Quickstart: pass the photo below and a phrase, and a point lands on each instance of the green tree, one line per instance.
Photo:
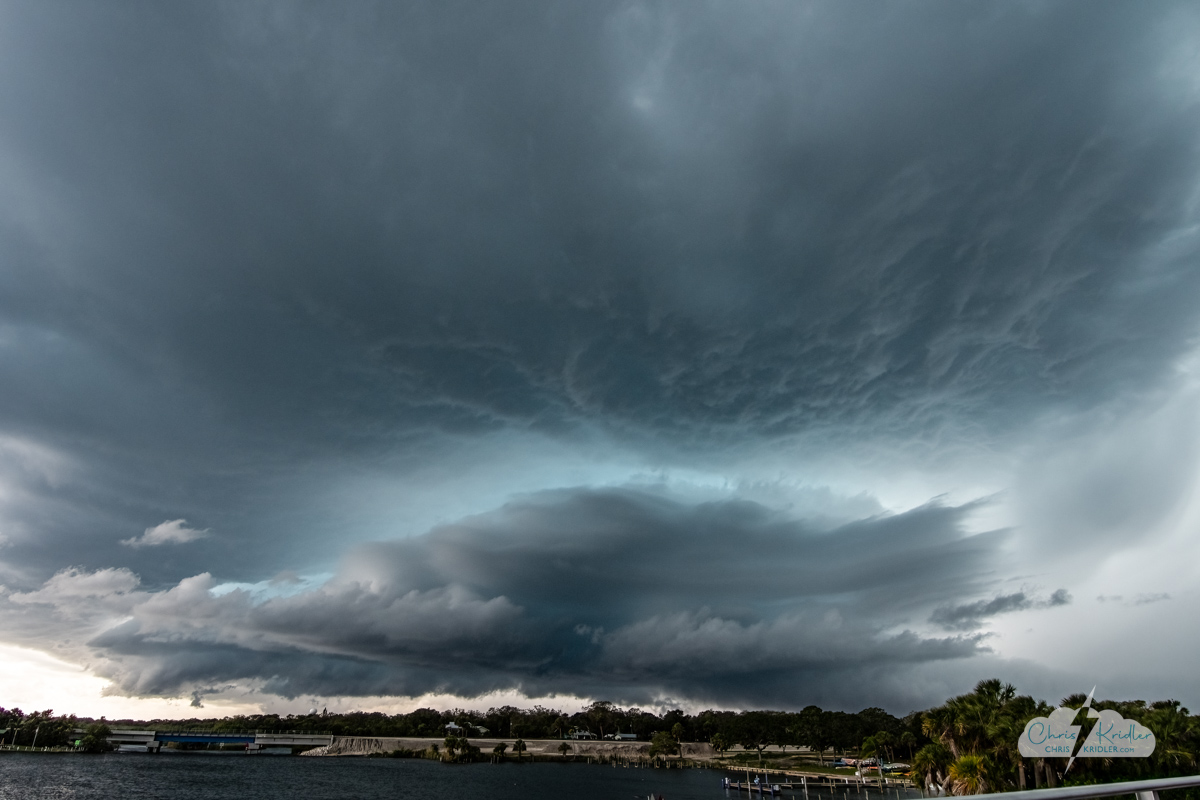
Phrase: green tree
(600, 715)
(519, 748)
(719, 742)
(968, 774)
(43, 729)
(560, 726)
(451, 745)
(498, 751)
(868, 748)
(939, 724)
(468, 751)
(813, 724)
(1176, 734)
(663, 744)
(871, 748)
(759, 730)
(908, 740)
(792, 734)
(931, 763)
(563, 749)
(95, 738)
(884, 741)
(986, 723)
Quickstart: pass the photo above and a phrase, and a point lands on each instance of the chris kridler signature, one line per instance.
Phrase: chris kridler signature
(1112, 735)
(1038, 733)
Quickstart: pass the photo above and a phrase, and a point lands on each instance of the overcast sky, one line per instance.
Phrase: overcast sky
(734, 354)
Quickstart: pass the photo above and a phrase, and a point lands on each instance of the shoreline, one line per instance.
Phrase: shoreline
(588, 748)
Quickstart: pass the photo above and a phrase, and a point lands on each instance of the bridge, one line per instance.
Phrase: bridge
(252, 740)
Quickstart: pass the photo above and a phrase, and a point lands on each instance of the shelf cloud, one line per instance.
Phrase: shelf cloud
(620, 591)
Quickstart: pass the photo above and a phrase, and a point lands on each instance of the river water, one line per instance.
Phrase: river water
(208, 776)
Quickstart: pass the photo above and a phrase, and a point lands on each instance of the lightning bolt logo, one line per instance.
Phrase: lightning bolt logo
(1092, 714)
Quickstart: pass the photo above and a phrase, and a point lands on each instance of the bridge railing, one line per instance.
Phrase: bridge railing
(1144, 790)
(211, 732)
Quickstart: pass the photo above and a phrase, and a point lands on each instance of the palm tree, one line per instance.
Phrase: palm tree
(561, 724)
(519, 748)
(968, 775)
(884, 740)
(931, 762)
(498, 751)
(868, 747)
(1004, 732)
(1175, 733)
(987, 722)
(600, 714)
(564, 748)
(938, 724)
(908, 740)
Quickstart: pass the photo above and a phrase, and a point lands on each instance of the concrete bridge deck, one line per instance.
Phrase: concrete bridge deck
(253, 740)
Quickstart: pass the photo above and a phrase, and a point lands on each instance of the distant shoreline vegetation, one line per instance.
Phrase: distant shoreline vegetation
(968, 745)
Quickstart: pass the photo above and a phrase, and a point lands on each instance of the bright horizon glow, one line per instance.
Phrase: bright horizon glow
(35, 681)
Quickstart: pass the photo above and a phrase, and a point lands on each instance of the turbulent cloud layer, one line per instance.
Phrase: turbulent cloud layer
(321, 278)
(620, 592)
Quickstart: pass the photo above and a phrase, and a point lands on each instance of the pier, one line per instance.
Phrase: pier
(774, 783)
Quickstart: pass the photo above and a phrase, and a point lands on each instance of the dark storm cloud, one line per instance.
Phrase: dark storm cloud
(334, 225)
(626, 593)
(246, 246)
(972, 616)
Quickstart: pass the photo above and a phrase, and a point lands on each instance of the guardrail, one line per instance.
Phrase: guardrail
(1144, 790)
(24, 748)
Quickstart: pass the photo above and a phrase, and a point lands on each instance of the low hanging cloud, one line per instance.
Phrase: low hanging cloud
(74, 584)
(1141, 599)
(627, 593)
(173, 531)
(972, 616)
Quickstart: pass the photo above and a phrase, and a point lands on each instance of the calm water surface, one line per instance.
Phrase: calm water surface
(203, 776)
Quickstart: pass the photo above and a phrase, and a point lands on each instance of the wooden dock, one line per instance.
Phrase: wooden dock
(769, 789)
(775, 782)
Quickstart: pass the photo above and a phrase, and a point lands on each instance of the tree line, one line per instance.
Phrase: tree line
(826, 732)
(44, 729)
